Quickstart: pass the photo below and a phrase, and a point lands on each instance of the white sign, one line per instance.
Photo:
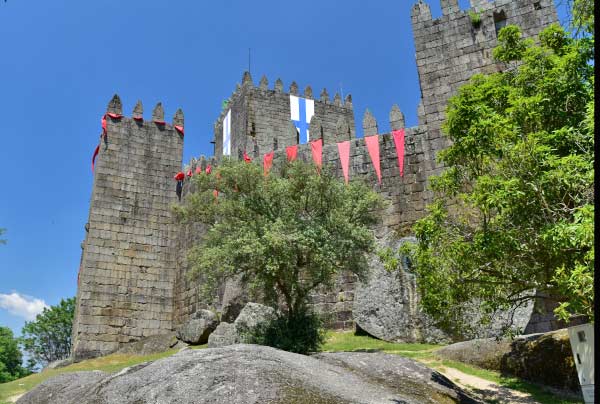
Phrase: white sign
(227, 134)
(582, 344)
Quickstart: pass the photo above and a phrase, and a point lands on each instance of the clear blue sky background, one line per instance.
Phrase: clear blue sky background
(61, 61)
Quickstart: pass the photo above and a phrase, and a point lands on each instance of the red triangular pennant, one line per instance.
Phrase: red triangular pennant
(291, 152)
(399, 142)
(96, 151)
(317, 152)
(344, 150)
(372, 143)
(268, 162)
(179, 129)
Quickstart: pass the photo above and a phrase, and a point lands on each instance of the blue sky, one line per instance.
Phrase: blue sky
(61, 62)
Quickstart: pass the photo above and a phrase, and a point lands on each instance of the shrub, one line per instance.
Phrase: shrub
(301, 333)
(475, 18)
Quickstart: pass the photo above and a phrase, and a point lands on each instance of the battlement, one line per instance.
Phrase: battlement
(115, 107)
(421, 11)
(259, 119)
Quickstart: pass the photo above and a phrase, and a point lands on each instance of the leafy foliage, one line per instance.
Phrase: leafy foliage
(513, 213)
(301, 333)
(10, 357)
(2, 231)
(285, 234)
(48, 337)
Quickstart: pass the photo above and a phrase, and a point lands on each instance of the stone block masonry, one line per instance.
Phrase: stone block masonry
(133, 277)
(128, 265)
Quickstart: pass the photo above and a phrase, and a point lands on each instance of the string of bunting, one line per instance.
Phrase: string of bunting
(371, 142)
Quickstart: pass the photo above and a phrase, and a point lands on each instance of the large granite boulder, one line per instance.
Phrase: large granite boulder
(152, 344)
(251, 316)
(386, 304)
(543, 358)
(256, 374)
(235, 297)
(225, 334)
(197, 329)
(485, 353)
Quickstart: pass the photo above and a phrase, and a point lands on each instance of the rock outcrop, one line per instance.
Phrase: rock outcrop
(153, 344)
(197, 329)
(386, 305)
(256, 374)
(252, 315)
(546, 359)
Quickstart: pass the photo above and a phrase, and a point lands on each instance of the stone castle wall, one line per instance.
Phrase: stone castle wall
(127, 272)
(134, 279)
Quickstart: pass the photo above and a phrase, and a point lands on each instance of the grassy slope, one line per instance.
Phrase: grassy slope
(426, 354)
(336, 342)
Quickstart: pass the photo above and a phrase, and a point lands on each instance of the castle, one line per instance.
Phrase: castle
(133, 279)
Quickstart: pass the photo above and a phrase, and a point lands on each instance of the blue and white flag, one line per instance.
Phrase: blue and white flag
(227, 134)
(301, 111)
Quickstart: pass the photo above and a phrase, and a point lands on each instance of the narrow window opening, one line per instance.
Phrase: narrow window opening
(499, 20)
(275, 143)
(537, 5)
(297, 136)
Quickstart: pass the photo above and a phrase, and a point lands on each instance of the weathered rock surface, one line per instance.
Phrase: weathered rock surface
(251, 316)
(386, 305)
(197, 329)
(225, 334)
(485, 353)
(235, 297)
(541, 358)
(152, 344)
(255, 374)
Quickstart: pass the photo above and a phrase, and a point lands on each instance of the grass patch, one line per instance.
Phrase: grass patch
(425, 353)
(110, 363)
(347, 342)
(538, 393)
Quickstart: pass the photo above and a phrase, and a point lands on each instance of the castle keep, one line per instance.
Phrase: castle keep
(133, 278)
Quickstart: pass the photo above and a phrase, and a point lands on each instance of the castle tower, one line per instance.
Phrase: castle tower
(127, 271)
(454, 47)
(258, 119)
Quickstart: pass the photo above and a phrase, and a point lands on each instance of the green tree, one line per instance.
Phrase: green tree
(10, 357)
(513, 213)
(2, 231)
(48, 337)
(285, 234)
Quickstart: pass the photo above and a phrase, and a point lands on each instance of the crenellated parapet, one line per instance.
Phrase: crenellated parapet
(257, 119)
